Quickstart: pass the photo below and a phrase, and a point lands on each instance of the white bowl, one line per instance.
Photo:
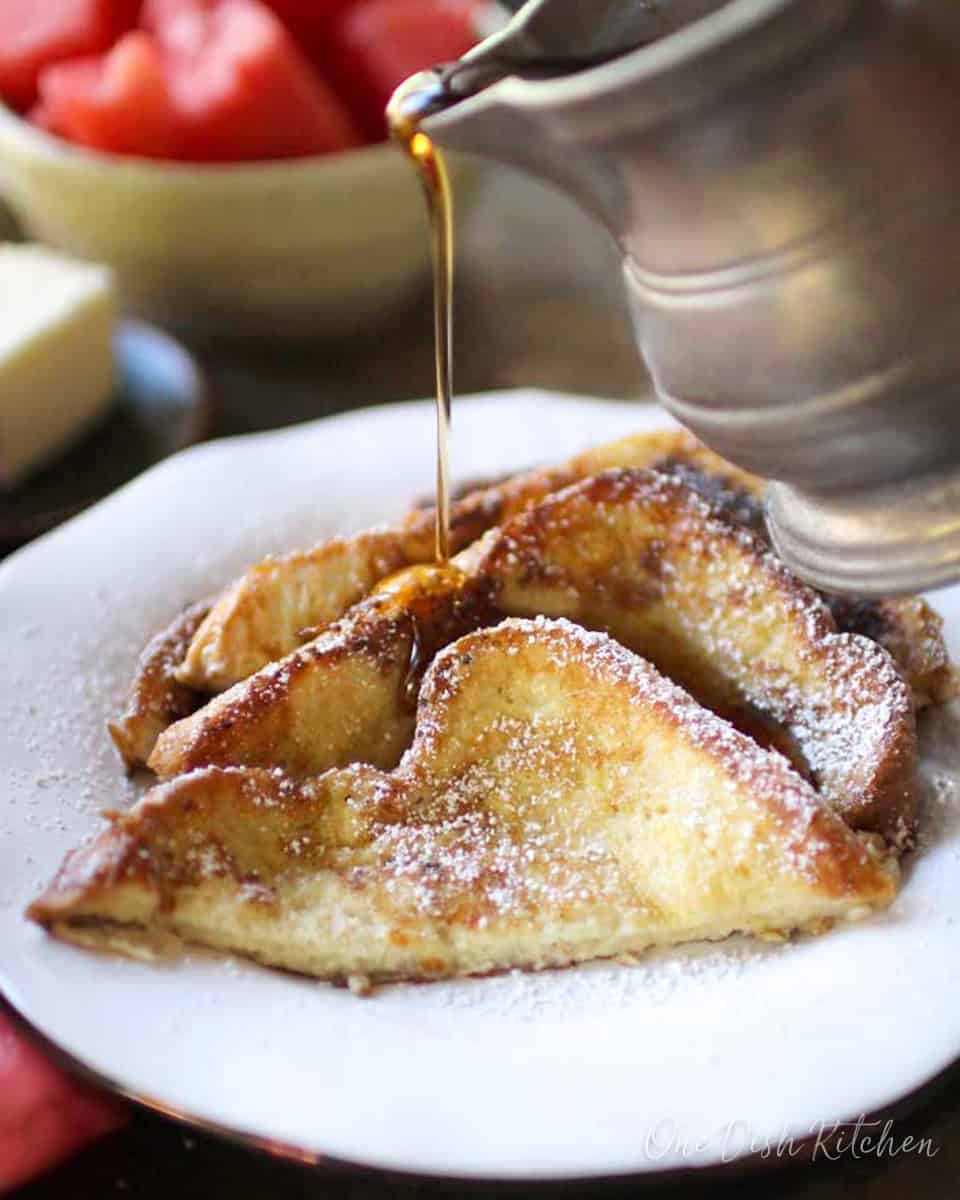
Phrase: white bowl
(316, 247)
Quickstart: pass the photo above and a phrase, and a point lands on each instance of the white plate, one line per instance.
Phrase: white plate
(688, 1059)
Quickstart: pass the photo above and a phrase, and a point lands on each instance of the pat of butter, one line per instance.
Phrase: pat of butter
(56, 355)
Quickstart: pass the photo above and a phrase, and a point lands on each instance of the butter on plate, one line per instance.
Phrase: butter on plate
(56, 354)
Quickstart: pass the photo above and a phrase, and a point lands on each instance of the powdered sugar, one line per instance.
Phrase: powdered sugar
(687, 974)
(527, 822)
(640, 555)
(90, 674)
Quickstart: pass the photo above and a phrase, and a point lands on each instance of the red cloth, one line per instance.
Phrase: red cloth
(44, 1114)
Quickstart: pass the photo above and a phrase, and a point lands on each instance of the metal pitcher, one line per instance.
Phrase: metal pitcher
(783, 178)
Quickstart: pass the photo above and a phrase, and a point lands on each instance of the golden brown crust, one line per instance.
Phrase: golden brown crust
(641, 556)
(560, 801)
(287, 600)
(348, 696)
(157, 698)
(912, 633)
(265, 614)
(483, 507)
(630, 552)
(905, 626)
(273, 608)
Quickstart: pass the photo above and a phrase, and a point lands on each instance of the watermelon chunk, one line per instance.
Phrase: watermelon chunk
(205, 81)
(243, 87)
(36, 33)
(309, 22)
(118, 102)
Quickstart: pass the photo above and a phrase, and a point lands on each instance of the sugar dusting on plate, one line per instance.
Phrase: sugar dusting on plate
(656, 978)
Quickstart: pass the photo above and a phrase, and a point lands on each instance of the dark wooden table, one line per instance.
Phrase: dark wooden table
(539, 304)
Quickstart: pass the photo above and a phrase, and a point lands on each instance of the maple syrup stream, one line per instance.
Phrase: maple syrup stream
(410, 104)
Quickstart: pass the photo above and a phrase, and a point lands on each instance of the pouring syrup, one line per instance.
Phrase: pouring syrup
(411, 104)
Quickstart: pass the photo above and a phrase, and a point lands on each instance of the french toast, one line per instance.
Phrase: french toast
(157, 697)
(347, 696)
(905, 626)
(267, 612)
(630, 552)
(286, 600)
(263, 615)
(276, 605)
(560, 801)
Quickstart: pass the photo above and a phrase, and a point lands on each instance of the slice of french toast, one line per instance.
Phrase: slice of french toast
(640, 556)
(561, 801)
(265, 614)
(347, 696)
(285, 600)
(157, 697)
(905, 626)
(274, 606)
(634, 553)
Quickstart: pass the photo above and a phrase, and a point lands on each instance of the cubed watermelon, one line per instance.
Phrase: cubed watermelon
(36, 33)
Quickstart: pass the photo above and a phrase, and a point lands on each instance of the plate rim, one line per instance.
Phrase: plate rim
(755, 1163)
